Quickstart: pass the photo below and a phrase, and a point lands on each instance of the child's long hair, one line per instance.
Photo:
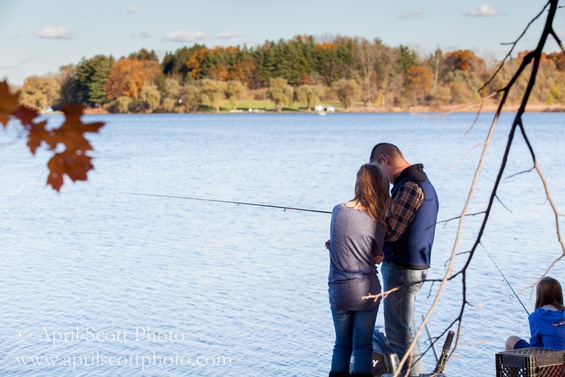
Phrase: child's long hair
(372, 191)
(548, 292)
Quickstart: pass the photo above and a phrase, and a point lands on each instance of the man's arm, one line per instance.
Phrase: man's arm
(405, 204)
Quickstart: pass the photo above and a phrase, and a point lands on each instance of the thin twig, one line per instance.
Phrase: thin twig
(534, 58)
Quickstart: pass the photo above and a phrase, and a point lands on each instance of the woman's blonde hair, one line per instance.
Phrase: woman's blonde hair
(548, 292)
(372, 192)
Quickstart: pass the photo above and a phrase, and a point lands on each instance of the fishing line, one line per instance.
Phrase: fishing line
(285, 208)
(506, 280)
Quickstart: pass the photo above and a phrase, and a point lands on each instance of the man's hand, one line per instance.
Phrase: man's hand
(328, 244)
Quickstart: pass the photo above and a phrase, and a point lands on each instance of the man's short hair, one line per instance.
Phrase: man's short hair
(385, 149)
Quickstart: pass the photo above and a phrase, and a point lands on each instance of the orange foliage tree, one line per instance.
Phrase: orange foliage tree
(67, 142)
(243, 71)
(196, 61)
(128, 76)
(419, 81)
(465, 60)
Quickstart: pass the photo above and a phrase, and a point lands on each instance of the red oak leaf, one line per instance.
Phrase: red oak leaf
(8, 103)
(71, 133)
(38, 134)
(75, 166)
(25, 115)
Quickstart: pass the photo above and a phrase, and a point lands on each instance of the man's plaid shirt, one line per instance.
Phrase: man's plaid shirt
(406, 202)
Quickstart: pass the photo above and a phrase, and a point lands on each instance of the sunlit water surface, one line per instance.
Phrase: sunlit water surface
(98, 282)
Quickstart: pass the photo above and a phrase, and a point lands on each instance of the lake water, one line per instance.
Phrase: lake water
(97, 282)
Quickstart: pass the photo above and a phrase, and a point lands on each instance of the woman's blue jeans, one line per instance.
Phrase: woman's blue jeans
(354, 334)
(399, 310)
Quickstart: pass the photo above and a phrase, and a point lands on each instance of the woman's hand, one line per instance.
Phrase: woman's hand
(379, 258)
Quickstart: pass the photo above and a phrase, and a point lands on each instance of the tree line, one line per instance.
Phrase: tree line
(302, 70)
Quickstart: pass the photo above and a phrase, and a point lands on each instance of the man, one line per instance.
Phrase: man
(410, 235)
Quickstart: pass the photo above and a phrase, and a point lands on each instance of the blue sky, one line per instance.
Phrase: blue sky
(38, 36)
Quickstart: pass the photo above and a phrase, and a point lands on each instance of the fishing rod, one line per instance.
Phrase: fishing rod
(285, 208)
(506, 280)
(432, 343)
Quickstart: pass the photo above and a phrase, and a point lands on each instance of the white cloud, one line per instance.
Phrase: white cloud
(411, 15)
(55, 32)
(227, 35)
(133, 9)
(143, 34)
(484, 10)
(182, 36)
(29, 60)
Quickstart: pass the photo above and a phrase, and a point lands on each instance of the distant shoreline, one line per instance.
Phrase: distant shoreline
(487, 108)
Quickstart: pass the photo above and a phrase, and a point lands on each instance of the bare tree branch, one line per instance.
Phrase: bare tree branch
(458, 217)
(513, 46)
(521, 172)
(533, 58)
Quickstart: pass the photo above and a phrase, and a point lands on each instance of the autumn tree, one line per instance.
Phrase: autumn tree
(40, 92)
(197, 65)
(465, 60)
(280, 93)
(170, 88)
(175, 63)
(221, 59)
(128, 76)
(388, 80)
(419, 81)
(437, 64)
(346, 91)
(212, 92)
(148, 100)
(191, 98)
(234, 91)
(244, 70)
(550, 83)
(559, 59)
(366, 57)
(310, 95)
(464, 66)
(120, 105)
(384, 74)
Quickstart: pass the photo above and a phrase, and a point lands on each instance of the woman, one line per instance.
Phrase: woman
(547, 323)
(356, 239)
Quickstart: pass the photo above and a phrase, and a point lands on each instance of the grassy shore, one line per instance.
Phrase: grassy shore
(268, 106)
(249, 105)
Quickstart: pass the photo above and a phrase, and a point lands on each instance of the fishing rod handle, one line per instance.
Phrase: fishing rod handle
(443, 357)
(448, 340)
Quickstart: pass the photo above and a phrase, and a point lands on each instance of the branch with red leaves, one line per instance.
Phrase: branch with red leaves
(67, 142)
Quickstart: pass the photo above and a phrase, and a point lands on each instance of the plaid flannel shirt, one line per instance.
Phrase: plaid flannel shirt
(406, 202)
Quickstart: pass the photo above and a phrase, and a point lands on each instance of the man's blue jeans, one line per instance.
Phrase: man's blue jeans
(399, 308)
(354, 333)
